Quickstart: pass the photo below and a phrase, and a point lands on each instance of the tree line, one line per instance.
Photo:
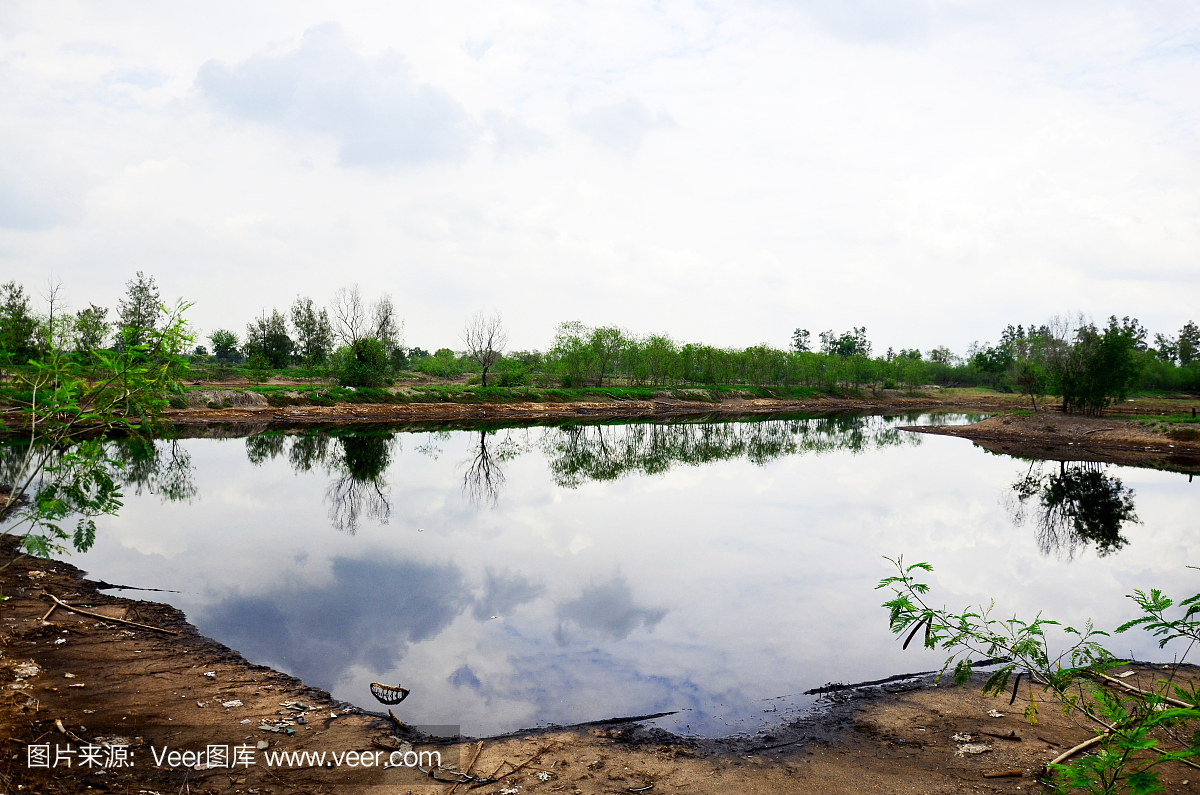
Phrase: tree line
(359, 341)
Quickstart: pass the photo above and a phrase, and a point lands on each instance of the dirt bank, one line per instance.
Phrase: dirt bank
(1052, 435)
(664, 407)
(72, 683)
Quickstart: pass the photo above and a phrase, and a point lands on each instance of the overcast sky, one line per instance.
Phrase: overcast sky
(721, 171)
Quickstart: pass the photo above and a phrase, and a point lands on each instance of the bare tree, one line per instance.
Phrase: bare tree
(352, 321)
(349, 315)
(485, 338)
(483, 477)
(384, 324)
(58, 325)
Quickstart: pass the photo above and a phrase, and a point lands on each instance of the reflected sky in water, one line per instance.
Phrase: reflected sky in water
(557, 575)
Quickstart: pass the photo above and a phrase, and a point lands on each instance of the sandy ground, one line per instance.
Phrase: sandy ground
(73, 682)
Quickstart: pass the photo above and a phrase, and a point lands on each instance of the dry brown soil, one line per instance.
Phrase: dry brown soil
(71, 681)
(663, 407)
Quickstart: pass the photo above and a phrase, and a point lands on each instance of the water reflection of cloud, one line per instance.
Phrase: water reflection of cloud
(504, 592)
(465, 677)
(606, 609)
(366, 615)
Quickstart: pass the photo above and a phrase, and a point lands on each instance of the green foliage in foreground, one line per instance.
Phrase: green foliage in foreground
(1135, 724)
(64, 407)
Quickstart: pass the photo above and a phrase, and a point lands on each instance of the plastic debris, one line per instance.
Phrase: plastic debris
(234, 703)
(995, 714)
(544, 776)
(262, 745)
(211, 674)
(388, 694)
(961, 738)
(60, 641)
(244, 721)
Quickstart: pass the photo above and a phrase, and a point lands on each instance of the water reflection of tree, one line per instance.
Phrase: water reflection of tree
(1075, 505)
(484, 475)
(161, 467)
(357, 462)
(361, 489)
(578, 454)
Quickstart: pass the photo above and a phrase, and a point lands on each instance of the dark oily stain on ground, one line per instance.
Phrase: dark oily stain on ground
(1053, 436)
(75, 681)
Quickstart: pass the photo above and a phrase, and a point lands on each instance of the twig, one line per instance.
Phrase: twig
(89, 614)
(1143, 693)
(1083, 746)
(527, 761)
(48, 612)
(478, 751)
(1005, 774)
(397, 721)
(58, 724)
(492, 778)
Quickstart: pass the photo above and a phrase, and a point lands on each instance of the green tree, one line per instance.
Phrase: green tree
(848, 343)
(314, 336)
(138, 312)
(258, 368)
(225, 345)
(661, 355)
(267, 336)
(571, 354)
(800, 341)
(1030, 377)
(18, 326)
(1110, 366)
(91, 330)
(1188, 346)
(606, 344)
(362, 364)
(994, 363)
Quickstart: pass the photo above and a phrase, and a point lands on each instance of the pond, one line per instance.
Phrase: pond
(526, 576)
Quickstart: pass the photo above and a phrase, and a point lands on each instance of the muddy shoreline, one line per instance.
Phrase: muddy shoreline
(1047, 434)
(1053, 436)
(598, 411)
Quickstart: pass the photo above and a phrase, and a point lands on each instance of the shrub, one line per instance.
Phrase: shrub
(363, 364)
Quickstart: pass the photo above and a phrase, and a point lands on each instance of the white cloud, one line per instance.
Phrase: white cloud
(622, 126)
(39, 196)
(513, 136)
(371, 105)
(721, 171)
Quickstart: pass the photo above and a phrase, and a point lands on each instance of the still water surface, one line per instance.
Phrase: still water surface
(556, 575)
